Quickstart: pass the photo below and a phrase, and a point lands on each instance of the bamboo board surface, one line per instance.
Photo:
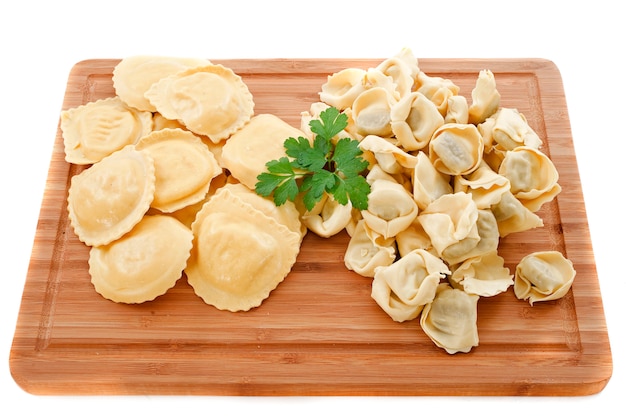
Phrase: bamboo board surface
(319, 332)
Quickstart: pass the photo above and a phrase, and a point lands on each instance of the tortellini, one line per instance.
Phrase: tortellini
(414, 119)
(391, 208)
(456, 149)
(532, 175)
(484, 275)
(485, 98)
(327, 217)
(450, 320)
(403, 288)
(371, 111)
(543, 276)
(366, 252)
(475, 174)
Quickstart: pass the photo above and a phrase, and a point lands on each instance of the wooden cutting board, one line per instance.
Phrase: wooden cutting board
(319, 333)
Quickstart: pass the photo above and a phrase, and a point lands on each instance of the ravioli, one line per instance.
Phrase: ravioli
(143, 264)
(99, 128)
(261, 140)
(109, 198)
(134, 75)
(240, 255)
(209, 100)
(184, 168)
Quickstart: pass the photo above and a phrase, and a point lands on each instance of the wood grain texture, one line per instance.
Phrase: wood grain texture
(319, 333)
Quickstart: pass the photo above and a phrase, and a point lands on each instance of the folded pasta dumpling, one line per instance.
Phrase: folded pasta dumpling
(209, 100)
(483, 275)
(414, 119)
(428, 183)
(450, 321)
(456, 149)
(512, 216)
(402, 69)
(436, 89)
(391, 158)
(391, 208)
(240, 254)
(485, 98)
(365, 252)
(99, 128)
(532, 175)
(472, 246)
(328, 217)
(144, 263)
(543, 276)
(414, 237)
(403, 288)
(342, 88)
(259, 141)
(450, 219)
(484, 185)
(371, 112)
(458, 110)
(511, 129)
(134, 75)
(109, 198)
(184, 168)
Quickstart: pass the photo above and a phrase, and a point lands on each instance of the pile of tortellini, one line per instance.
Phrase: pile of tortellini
(448, 179)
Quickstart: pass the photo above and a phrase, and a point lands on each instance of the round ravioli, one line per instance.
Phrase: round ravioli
(240, 254)
(134, 75)
(99, 128)
(109, 198)
(184, 168)
(143, 264)
(210, 100)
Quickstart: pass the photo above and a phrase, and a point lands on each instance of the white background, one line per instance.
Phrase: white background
(41, 41)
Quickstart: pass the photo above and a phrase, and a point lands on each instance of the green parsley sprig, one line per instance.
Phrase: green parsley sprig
(312, 169)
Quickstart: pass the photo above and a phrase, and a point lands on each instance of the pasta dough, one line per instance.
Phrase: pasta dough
(144, 264)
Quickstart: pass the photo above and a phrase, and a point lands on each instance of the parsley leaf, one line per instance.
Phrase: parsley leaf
(312, 169)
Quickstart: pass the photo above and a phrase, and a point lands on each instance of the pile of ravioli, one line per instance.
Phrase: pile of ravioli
(165, 187)
(172, 160)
